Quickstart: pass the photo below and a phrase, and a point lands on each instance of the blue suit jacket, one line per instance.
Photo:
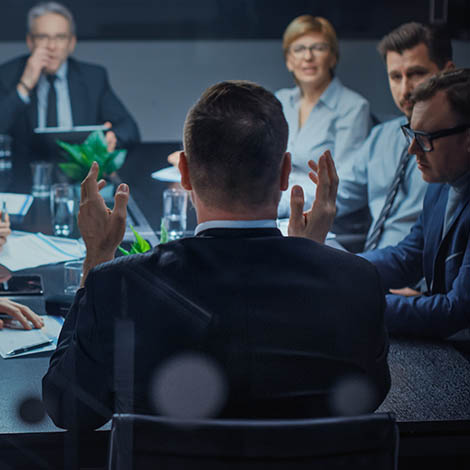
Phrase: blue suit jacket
(91, 97)
(443, 261)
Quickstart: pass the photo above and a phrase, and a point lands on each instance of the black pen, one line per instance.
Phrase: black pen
(31, 347)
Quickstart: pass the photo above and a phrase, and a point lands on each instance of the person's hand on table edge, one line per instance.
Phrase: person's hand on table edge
(4, 229)
(19, 312)
(405, 292)
(110, 137)
(174, 158)
(316, 222)
(102, 229)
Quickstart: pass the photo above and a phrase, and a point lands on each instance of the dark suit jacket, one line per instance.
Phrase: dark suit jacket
(284, 318)
(92, 102)
(444, 262)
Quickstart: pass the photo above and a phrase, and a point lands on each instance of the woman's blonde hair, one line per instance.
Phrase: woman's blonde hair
(310, 24)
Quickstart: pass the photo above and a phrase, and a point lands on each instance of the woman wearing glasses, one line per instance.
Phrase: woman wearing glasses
(321, 112)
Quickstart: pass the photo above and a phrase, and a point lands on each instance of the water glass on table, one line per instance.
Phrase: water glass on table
(42, 177)
(175, 204)
(72, 276)
(62, 209)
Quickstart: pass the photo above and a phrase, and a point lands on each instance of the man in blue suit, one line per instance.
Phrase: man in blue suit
(49, 89)
(438, 245)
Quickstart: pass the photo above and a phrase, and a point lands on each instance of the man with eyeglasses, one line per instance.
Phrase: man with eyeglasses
(50, 89)
(438, 245)
(380, 175)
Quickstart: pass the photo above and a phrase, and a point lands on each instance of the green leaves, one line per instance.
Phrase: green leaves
(140, 245)
(94, 148)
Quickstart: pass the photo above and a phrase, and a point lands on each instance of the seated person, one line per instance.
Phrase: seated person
(282, 318)
(16, 311)
(438, 246)
(374, 178)
(49, 88)
(321, 112)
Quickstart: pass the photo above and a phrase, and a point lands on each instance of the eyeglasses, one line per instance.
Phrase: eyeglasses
(45, 38)
(300, 50)
(424, 139)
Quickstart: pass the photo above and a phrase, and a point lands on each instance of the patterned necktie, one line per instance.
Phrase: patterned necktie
(51, 117)
(373, 239)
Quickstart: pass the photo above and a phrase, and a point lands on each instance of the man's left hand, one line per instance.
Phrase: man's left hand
(110, 137)
(405, 292)
(316, 222)
(102, 229)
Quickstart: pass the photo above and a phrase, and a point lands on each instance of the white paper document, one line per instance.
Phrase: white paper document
(12, 339)
(16, 204)
(170, 174)
(28, 250)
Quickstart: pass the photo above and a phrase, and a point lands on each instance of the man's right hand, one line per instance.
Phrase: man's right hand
(102, 229)
(19, 312)
(316, 222)
(36, 62)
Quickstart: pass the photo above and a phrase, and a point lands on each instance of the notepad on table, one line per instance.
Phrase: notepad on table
(14, 339)
(28, 250)
(170, 174)
(16, 204)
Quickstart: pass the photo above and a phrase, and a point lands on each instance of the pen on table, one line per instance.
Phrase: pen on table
(30, 347)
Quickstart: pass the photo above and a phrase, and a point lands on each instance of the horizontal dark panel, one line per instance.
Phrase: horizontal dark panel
(237, 19)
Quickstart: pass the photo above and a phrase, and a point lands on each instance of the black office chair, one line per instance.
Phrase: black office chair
(360, 442)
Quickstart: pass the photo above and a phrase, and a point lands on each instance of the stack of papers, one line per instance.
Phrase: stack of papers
(16, 204)
(28, 250)
(15, 339)
(170, 175)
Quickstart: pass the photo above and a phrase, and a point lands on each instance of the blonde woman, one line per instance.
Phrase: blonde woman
(321, 112)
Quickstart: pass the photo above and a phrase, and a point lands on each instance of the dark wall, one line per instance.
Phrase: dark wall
(236, 19)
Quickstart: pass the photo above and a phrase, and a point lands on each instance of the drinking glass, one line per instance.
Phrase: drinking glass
(62, 209)
(72, 276)
(42, 176)
(175, 203)
(5, 152)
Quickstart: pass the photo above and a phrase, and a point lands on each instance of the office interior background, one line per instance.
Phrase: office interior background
(161, 54)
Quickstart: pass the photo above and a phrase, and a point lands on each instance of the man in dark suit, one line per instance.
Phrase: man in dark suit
(438, 245)
(48, 88)
(286, 327)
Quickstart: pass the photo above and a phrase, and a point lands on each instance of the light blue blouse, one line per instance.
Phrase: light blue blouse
(368, 174)
(339, 122)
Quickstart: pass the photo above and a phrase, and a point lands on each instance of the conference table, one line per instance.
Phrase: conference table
(430, 393)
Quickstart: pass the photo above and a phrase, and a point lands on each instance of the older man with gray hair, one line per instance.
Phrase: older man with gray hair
(48, 88)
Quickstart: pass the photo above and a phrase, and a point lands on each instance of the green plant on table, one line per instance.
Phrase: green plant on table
(95, 148)
(140, 245)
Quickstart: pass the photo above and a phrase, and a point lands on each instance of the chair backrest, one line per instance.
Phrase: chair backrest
(359, 442)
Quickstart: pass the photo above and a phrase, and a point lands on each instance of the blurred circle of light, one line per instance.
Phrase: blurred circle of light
(31, 410)
(189, 386)
(353, 395)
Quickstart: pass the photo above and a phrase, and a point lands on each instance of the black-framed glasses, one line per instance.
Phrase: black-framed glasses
(424, 139)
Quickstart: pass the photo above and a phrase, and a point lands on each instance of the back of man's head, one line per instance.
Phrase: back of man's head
(234, 138)
(456, 85)
(409, 35)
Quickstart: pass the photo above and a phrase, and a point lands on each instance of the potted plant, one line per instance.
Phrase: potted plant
(95, 148)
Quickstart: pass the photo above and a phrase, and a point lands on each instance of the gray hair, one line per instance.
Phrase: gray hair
(49, 7)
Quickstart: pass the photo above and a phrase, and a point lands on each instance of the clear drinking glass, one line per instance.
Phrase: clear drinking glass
(175, 204)
(42, 177)
(62, 209)
(72, 276)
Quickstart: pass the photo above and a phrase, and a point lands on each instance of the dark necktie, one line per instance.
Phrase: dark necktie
(374, 238)
(51, 117)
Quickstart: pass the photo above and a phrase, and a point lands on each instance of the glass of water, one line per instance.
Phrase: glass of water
(62, 209)
(175, 204)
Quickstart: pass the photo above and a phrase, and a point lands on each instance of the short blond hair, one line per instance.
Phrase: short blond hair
(306, 24)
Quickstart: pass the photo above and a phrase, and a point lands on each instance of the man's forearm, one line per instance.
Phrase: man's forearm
(91, 261)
